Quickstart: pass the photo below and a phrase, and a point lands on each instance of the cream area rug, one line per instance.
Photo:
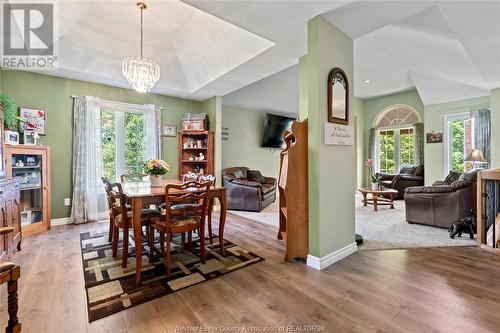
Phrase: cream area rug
(387, 229)
(268, 215)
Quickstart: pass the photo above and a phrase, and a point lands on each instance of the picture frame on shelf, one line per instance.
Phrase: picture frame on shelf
(11, 137)
(35, 120)
(30, 138)
(169, 130)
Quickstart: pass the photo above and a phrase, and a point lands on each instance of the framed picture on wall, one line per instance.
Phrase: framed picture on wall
(434, 137)
(169, 130)
(35, 120)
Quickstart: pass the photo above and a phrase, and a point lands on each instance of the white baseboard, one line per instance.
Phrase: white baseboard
(331, 258)
(61, 221)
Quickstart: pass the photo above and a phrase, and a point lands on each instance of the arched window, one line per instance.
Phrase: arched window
(395, 144)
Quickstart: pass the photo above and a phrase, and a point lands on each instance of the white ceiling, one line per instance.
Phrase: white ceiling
(447, 50)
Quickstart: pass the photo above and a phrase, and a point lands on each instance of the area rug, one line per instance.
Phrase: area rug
(111, 288)
(387, 229)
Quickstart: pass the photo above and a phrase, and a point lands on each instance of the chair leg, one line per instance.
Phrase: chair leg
(125, 248)
(210, 208)
(111, 228)
(167, 256)
(13, 326)
(114, 243)
(190, 241)
(203, 252)
(183, 241)
(162, 242)
(151, 239)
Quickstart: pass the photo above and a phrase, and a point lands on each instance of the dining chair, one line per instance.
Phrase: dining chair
(189, 177)
(182, 219)
(211, 179)
(107, 184)
(10, 274)
(133, 177)
(123, 218)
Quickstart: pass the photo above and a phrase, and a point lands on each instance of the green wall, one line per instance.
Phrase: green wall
(358, 106)
(213, 108)
(331, 199)
(53, 94)
(243, 145)
(434, 121)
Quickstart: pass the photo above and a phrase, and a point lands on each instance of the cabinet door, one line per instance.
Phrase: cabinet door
(8, 238)
(16, 220)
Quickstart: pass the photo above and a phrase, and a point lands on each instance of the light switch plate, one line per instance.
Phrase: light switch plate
(67, 201)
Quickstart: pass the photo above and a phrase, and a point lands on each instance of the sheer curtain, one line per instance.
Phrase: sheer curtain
(152, 121)
(89, 201)
(482, 132)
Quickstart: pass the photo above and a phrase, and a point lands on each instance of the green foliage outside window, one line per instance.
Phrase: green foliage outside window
(457, 145)
(387, 149)
(108, 144)
(386, 157)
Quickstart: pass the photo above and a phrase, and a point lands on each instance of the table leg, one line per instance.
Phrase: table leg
(392, 201)
(136, 222)
(365, 201)
(375, 199)
(222, 221)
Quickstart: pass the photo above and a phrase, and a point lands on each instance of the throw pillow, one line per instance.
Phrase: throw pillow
(255, 176)
(453, 176)
(407, 170)
(471, 176)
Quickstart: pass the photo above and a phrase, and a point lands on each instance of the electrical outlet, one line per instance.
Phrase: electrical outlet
(67, 201)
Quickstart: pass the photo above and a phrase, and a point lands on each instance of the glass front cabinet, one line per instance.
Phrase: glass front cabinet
(31, 166)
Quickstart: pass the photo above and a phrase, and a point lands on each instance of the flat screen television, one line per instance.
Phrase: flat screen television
(274, 126)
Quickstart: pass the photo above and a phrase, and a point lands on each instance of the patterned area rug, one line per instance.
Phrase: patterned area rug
(111, 288)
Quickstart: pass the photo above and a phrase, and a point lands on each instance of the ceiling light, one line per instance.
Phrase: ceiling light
(366, 81)
(142, 74)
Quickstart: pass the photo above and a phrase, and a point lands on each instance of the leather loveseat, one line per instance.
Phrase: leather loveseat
(408, 176)
(442, 203)
(252, 193)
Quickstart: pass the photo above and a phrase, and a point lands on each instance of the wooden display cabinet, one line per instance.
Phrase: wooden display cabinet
(191, 145)
(30, 165)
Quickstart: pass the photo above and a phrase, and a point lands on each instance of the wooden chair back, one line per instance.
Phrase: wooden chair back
(189, 177)
(189, 198)
(133, 177)
(207, 178)
(118, 201)
(107, 188)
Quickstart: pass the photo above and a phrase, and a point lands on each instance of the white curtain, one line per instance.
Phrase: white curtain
(89, 201)
(152, 121)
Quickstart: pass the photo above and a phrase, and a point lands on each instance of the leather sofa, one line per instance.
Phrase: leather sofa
(408, 176)
(245, 194)
(442, 203)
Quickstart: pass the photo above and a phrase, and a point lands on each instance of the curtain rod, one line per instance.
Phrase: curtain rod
(160, 107)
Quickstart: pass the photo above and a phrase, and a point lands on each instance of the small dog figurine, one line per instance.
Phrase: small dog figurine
(465, 224)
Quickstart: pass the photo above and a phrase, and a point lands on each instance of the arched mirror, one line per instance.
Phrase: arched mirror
(338, 97)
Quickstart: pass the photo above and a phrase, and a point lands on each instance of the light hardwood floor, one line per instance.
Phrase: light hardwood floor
(418, 290)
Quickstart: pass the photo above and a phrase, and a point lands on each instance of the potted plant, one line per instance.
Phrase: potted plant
(10, 118)
(374, 178)
(156, 168)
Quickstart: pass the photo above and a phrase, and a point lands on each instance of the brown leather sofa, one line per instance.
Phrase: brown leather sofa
(442, 203)
(408, 176)
(246, 194)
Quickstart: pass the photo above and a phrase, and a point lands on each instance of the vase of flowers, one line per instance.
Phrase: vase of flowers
(374, 178)
(156, 168)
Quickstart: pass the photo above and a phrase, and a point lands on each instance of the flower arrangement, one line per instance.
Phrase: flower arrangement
(156, 167)
(373, 176)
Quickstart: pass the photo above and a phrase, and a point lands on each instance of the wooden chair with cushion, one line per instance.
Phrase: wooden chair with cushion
(107, 184)
(211, 179)
(123, 219)
(185, 217)
(10, 273)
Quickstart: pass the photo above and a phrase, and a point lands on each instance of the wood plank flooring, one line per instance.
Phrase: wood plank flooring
(417, 290)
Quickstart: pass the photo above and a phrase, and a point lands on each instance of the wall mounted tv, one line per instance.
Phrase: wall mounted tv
(274, 126)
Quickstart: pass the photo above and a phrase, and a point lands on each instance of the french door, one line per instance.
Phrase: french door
(396, 147)
(459, 139)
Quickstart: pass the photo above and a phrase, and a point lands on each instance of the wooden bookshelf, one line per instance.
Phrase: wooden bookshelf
(191, 144)
(488, 210)
(293, 192)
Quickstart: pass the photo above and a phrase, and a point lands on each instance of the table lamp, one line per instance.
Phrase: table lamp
(475, 156)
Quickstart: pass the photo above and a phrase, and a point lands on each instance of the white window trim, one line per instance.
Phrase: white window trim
(448, 118)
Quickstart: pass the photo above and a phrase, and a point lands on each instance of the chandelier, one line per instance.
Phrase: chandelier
(142, 74)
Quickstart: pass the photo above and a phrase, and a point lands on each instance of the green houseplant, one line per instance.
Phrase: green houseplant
(10, 118)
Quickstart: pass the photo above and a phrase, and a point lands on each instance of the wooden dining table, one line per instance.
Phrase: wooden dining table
(142, 194)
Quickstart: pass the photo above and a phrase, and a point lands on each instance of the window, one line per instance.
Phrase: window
(122, 142)
(395, 144)
(459, 139)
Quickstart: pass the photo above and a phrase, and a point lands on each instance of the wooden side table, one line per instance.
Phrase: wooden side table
(379, 197)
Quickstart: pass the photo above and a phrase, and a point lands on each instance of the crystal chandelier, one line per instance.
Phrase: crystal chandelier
(142, 74)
